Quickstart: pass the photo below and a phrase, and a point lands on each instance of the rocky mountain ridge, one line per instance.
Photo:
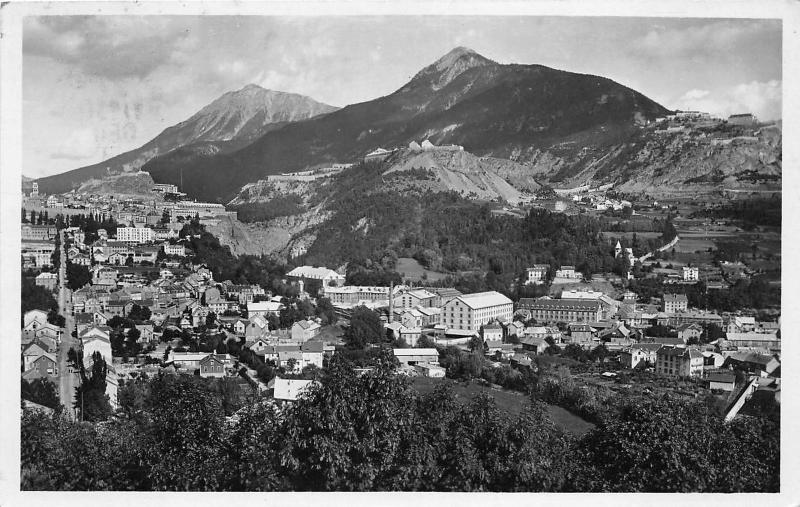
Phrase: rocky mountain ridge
(228, 123)
(463, 98)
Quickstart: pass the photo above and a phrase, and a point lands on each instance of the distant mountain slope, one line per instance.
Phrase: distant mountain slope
(124, 184)
(230, 122)
(463, 98)
(464, 173)
(660, 163)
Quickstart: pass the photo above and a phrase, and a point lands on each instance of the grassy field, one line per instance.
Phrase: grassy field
(511, 402)
(412, 270)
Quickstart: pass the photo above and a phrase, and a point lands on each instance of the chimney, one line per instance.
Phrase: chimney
(391, 301)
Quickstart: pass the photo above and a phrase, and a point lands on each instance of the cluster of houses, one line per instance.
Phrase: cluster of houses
(40, 341)
(538, 274)
(136, 212)
(183, 298)
(145, 226)
(38, 246)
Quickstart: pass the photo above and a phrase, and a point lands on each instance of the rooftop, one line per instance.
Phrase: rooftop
(479, 300)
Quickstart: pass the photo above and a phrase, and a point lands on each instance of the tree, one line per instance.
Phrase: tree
(325, 311)
(576, 352)
(265, 372)
(599, 353)
(186, 408)
(40, 391)
(90, 396)
(77, 276)
(139, 313)
(365, 328)
(35, 297)
(56, 318)
(133, 398)
(670, 445)
(660, 331)
(424, 342)
(711, 332)
(132, 345)
(477, 344)
(211, 319)
(552, 348)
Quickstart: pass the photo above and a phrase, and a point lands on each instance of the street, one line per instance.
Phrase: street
(67, 380)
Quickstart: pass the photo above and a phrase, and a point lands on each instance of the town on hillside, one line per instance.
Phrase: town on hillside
(499, 277)
(116, 281)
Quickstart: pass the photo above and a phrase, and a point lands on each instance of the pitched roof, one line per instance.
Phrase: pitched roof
(751, 357)
(291, 389)
(209, 358)
(84, 318)
(48, 356)
(560, 304)
(751, 337)
(312, 346)
(647, 347)
(263, 306)
(479, 300)
(307, 324)
(415, 352)
(721, 377)
(444, 292)
(671, 351)
(315, 273)
(664, 340)
(92, 331)
(188, 356)
(421, 294)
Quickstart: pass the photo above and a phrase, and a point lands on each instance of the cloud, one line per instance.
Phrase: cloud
(695, 94)
(763, 98)
(106, 46)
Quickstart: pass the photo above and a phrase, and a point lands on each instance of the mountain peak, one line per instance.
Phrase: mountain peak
(448, 67)
(251, 86)
(461, 56)
(454, 54)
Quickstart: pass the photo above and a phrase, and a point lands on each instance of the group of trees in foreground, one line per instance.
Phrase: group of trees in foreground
(374, 432)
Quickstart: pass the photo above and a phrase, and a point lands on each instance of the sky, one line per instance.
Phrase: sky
(97, 86)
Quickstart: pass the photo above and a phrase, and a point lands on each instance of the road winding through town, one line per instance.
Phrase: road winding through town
(67, 379)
